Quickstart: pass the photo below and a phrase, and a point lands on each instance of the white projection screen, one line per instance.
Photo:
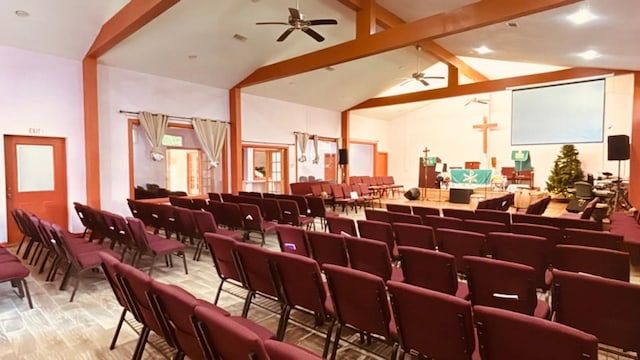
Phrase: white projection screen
(558, 114)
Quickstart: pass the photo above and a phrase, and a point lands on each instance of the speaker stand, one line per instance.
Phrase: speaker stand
(621, 200)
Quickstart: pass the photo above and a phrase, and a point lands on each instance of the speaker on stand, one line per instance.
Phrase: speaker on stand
(618, 149)
(343, 160)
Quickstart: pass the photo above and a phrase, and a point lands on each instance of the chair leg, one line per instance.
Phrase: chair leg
(327, 341)
(247, 303)
(184, 261)
(24, 237)
(65, 278)
(142, 341)
(336, 341)
(117, 333)
(44, 262)
(153, 261)
(178, 356)
(76, 286)
(282, 324)
(215, 301)
(26, 292)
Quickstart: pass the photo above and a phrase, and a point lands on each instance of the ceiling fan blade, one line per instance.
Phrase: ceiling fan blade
(433, 77)
(272, 23)
(323, 22)
(295, 13)
(424, 82)
(405, 82)
(285, 34)
(313, 34)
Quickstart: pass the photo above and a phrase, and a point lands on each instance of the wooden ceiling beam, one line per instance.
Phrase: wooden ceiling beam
(469, 17)
(131, 18)
(366, 20)
(486, 86)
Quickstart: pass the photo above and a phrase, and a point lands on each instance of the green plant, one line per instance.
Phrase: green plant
(567, 169)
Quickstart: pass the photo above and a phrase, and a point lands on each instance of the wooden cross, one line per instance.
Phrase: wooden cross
(485, 127)
(426, 152)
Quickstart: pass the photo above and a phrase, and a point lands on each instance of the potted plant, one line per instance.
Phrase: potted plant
(567, 169)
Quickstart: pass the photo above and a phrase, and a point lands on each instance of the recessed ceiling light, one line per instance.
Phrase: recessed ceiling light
(589, 54)
(330, 68)
(192, 57)
(482, 50)
(512, 24)
(582, 16)
(21, 13)
(240, 37)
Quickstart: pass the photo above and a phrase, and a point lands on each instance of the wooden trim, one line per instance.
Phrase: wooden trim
(130, 124)
(466, 18)
(366, 20)
(634, 161)
(235, 138)
(345, 131)
(263, 146)
(131, 18)
(451, 60)
(91, 131)
(487, 86)
(177, 125)
(452, 77)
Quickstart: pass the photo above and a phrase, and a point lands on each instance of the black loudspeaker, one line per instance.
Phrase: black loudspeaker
(343, 157)
(618, 147)
(412, 194)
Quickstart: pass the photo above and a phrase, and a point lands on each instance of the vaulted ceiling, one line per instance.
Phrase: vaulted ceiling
(197, 41)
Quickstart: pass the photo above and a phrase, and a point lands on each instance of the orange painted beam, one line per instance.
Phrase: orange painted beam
(91, 131)
(345, 133)
(469, 17)
(486, 86)
(131, 18)
(452, 77)
(634, 160)
(235, 138)
(366, 20)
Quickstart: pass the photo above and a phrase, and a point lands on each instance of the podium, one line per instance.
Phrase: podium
(428, 174)
(523, 171)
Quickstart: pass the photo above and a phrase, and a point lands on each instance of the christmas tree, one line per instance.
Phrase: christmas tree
(567, 169)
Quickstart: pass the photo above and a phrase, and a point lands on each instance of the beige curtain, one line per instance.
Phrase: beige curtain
(211, 134)
(301, 139)
(154, 126)
(316, 158)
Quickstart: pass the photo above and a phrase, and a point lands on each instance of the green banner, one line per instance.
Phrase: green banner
(471, 177)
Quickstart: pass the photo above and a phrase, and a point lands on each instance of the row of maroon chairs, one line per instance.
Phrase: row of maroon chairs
(192, 326)
(12, 270)
(381, 184)
(360, 302)
(502, 203)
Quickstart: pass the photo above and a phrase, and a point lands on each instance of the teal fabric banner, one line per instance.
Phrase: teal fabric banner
(471, 177)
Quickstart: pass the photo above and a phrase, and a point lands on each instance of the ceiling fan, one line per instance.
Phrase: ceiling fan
(297, 21)
(477, 101)
(419, 75)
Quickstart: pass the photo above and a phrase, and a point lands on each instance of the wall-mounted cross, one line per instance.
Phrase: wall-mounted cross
(485, 128)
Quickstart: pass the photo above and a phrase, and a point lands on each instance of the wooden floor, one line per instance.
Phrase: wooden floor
(57, 329)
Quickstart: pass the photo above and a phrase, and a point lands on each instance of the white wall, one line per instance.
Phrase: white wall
(446, 128)
(126, 90)
(368, 129)
(43, 92)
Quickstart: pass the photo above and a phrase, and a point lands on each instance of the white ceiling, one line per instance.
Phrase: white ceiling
(205, 29)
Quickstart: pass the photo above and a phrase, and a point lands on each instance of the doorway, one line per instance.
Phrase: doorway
(265, 169)
(36, 180)
(183, 170)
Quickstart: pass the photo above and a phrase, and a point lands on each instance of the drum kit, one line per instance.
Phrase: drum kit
(613, 191)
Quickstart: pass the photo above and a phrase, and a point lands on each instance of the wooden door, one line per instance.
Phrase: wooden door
(330, 169)
(381, 164)
(36, 179)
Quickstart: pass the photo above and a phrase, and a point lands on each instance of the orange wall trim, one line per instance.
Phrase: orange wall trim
(91, 130)
(634, 162)
(235, 138)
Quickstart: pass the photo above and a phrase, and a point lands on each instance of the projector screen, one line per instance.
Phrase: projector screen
(558, 114)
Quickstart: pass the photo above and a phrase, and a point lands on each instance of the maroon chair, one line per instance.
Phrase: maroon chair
(200, 204)
(405, 218)
(424, 210)
(206, 223)
(232, 217)
(272, 211)
(224, 261)
(484, 227)
(291, 214)
(606, 263)
(538, 207)
(534, 251)
(185, 225)
(155, 245)
(342, 225)
(458, 213)
(441, 329)
(371, 256)
(327, 248)
(592, 238)
(377, 215)
(446, 222)
(165, 219)
(460, 244)
(368, 195)
(381, 231)
(432, 270)
(552, 233)
(361, 303)
(506, 335)
(253, 263)
(214, 196)
(420, 236)
(399, 208)
(342, 199)
(318, 209)
(504, 285)
(493, 215)
(605, 308)
(301, 288)
(293, 239)
(253, 221)
(12, 270)
(109, 268)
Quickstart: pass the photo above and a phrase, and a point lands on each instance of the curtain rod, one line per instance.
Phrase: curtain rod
(169, 116)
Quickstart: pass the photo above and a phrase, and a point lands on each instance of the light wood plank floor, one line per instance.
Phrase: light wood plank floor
(57, 329)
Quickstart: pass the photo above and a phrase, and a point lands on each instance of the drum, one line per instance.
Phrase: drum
(522, 198)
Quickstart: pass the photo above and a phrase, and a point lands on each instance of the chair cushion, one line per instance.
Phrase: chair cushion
(92, 259)
(164, 246)
(259, 330)
(13, 270)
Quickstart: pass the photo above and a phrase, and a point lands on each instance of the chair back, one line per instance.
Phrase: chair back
(290, 212)
(552, 233)
(222, 253)
(370, 256)
(342, 225)
(406, 209)
(328, 248)
(536, 338)
(429, 269)
(253, 263)
(377, 215)
(316, 206)
(272, 211)
(605, 308)
(405, 218)
(420, 236)
(458, 213)
(251, 217)
(461, 243)
(534, 251)
(592, 238)
(292, 239)
(377, 230)
(232, 215)
(606, 263)
(501, 284)
(446, 222)
(493, 215)
(484, 227)
(213, 196)
(423, 210)
(441, 317)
